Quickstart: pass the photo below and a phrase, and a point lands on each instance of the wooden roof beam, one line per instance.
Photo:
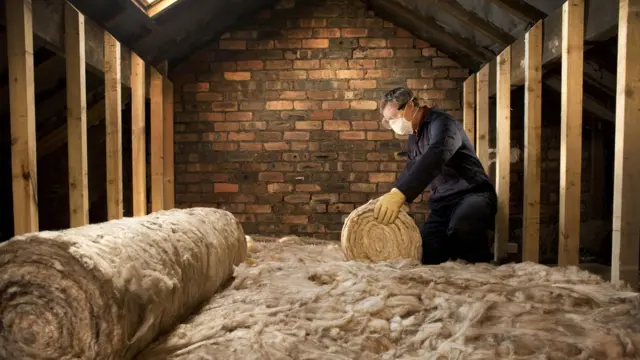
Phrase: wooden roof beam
(600, 23)
(462, 50)
(473, 20)
(48, 27)
(520, 9)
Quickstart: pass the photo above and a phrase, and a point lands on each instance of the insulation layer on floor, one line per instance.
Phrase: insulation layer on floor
(300, 299)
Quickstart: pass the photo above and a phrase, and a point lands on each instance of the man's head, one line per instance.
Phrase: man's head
(398, 103)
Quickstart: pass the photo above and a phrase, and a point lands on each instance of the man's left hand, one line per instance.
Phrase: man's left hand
(388, 207)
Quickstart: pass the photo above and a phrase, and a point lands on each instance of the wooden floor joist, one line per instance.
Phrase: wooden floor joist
(23, 117)
(503, 152)
(532, 144)
(626, 210)
(157, 140)
(482, 116)
(469, 108)
(169, 187)
(138, 136)
(76, 117)
(113, 125)
(571, 132)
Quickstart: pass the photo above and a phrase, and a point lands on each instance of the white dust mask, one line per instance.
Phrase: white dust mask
(401, 126)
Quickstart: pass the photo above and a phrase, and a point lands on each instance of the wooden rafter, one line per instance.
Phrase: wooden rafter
(521, 9)
(473, 20)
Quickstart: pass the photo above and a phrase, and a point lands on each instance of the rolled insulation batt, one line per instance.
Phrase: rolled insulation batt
(105, 291)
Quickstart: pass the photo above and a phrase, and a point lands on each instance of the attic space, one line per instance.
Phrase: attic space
(270, 110)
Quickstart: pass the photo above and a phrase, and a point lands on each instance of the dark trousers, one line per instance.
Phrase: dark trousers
(460, 229)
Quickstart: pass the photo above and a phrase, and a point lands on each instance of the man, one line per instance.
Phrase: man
(462, 200)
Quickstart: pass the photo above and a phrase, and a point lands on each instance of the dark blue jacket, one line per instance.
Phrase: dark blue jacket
(442, 158)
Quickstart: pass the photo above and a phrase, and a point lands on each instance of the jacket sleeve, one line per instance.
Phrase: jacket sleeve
(443, 141)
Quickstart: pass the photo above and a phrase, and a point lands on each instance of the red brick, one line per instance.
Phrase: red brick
(322, 95)
(315, 43)
(216, 116)
(186, 137)
(225, 187)
(364, 105)
(278, 64)
(293, 75)
(308, 125)
(321, 74)
(260, 45)
(403, 33)
(307, 105)
(326, 33)
(258, 209)
(271, 176)
(250, 146)
(407, 53)
(373, 43)
(364, 166)
(337, 125)
(377, 74)
(380, 53)
(279, 105)
(353, 32)
(364, 125)
(459, 73)
(401, 43)
(295, 219)
(432, 94)
(250, 65)
(308, 187)
(293, 95)
(306, 64)
(446, 84)
(352, 135)
(322, 115)
(276, 146)
(382, 177)
(225, 146)
(362, 187)
(349, 74)
(299, 33)
(208, 96)
(420, 83)
(279, 188)
(421, 44)
(363, 84)
(242, 136)
(197, 87)
(313, 22)
(443, 62)
(296, 135)
(287, 44)
(335, 105)
(379, 135)
(362, 64)
(435, 73)
(224, 106)
(232, 44)
(333, 63)
(239, 116)
(297, 198)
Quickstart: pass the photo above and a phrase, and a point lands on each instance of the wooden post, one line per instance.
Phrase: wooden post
(76, 116)
(113, 125)
(468, 111)
(626, 211)
(532, 143)
(22, 106)
(571, 131)
(138, 136)
(503, 151)
(169, 189)
(482, 116)
(156, 90)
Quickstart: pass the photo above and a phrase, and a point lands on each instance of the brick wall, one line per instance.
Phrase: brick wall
(277, 121)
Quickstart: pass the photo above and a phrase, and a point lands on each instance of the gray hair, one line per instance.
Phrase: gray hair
(399, 96)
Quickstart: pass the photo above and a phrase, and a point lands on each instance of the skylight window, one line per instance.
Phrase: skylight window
(154, 7)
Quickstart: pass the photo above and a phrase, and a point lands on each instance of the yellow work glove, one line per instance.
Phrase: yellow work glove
(388, 206)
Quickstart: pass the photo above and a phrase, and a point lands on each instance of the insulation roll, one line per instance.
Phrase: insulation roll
(363, 238)
(105, 291)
